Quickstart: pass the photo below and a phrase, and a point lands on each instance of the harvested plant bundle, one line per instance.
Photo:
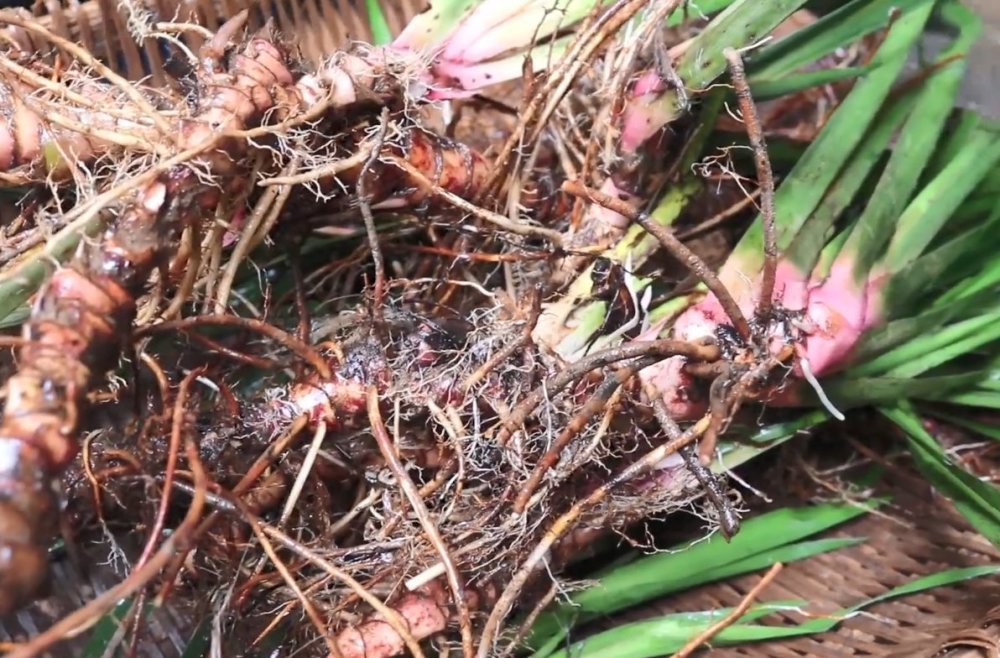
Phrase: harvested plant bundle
(490, 375)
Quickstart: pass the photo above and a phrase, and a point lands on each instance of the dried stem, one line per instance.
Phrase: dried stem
(84, 56)
(176, 429)
(271, 202)
(508, 351)
(90, 613)
(565, 523)
(765, 181)
(366, 214)
(306, 352)
(676, 248)
(591, 408)
(733, 615)
(498, 220)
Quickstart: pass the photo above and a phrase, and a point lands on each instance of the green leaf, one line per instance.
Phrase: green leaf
(936, 202)
(914, 147)
(743, 23)
(895, 333)
(431, 26)
(198, 645)
(810, 241)
(107, 628)
(381, 34)
(988, 430)
(934, 348)
(834, 30)
(655, 637)
(956, 139)
(976, 500)
(950, 264)
(735, 453)
(801, 192)
(984, 281)
(940, 579)
(847, 392)
(663, 635)
(974, 398)
(694, 564)
(764, 90)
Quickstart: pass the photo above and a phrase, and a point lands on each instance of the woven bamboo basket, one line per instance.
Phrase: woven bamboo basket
(918, 534)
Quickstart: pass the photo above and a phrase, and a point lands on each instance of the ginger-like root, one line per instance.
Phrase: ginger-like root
(423, 612)
(82, 318)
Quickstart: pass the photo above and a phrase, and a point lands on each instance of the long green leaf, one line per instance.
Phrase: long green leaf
(801, 192)
(988, 430)
(953, 263)
(922, 353)
(654, 637)
(835, 30)
(914, 147)
(664, 635)
(735, 453)
(744, 22)
(381, 34)
(978, 501)
(805, 249)
(897, 332)
(690, 564)
(847, 392)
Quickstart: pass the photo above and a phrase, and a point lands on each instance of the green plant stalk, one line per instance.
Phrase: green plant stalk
(913, 150)
(802, 191)
(20, 280)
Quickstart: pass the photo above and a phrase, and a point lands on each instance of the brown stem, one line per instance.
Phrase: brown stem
(670, 242)
(366, 213)
(765, 181)
(732, 617)
(177, 427)
(303, 350)
(592, 407)
(565, 523)
(93, 611)
(658, 348)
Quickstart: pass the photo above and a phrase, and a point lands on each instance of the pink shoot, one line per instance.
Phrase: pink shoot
(826, 318)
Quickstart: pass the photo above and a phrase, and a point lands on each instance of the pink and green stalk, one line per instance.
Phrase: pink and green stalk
(838, 291)
(473, 44)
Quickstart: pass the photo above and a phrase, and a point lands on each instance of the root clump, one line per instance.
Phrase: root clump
(311, 349)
